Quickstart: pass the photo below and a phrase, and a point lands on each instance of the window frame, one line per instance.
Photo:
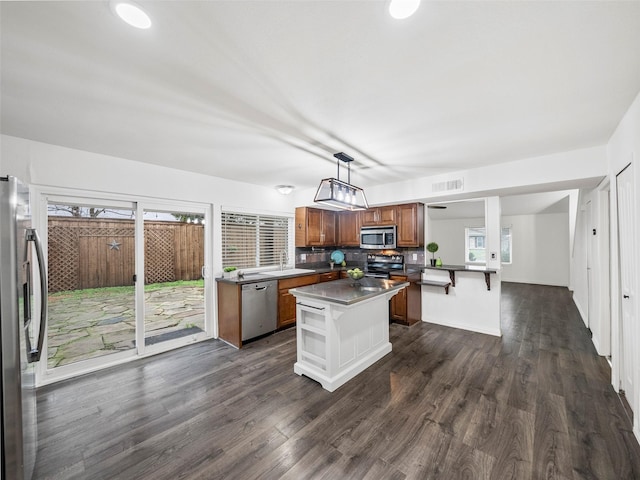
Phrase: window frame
(467, 249)
(261, 259)
(502, 237)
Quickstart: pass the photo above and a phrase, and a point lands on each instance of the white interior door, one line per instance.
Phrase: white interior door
(590, 249)
(627, 246)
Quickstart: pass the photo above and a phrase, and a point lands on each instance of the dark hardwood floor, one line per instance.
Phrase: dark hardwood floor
(446, 404)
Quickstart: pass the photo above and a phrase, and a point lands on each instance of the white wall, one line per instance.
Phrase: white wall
(45, 166)
(51, 165)
(540, 249)
(557, 171)
(470, 305)
(540, 246)
(449, 235)
(624, 148)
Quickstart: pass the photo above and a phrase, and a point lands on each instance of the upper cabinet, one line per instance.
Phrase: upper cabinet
(315, 227)
(379, 216)
(349, 229)
(410, 221)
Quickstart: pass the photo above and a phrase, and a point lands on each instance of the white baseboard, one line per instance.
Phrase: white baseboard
(465, 326)
(585, 319)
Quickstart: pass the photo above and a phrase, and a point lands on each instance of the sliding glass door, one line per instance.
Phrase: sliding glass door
(126, 279)
(174, 265)
(91, 260)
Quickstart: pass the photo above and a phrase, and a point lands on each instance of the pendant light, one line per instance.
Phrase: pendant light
(336, 193)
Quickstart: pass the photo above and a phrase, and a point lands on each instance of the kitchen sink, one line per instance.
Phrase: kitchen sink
(284, 273)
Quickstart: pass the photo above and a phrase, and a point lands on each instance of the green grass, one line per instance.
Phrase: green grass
(89, 292)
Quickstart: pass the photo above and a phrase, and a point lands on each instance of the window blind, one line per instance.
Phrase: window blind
(250, 240)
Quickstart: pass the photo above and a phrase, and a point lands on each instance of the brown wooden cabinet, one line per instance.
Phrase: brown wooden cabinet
(406, 306)
(410, 218)
(287, 302)
(349, 229)
(230, 305)
(329, 276)
(315, 227)
(229, 313)
(379, 215)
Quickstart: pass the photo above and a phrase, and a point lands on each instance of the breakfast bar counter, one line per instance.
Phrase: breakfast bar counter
(342, 328)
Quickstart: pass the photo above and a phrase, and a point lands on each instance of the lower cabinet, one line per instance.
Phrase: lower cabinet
(229, 313)
(329, 276)
(406, 306)
(287, 302)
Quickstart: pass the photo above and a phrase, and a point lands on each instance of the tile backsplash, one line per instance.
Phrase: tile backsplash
(318, 256)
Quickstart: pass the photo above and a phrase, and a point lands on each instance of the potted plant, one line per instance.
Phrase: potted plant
(230, 272)
(433, 248)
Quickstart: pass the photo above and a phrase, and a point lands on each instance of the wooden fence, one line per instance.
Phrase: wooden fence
(96, 252)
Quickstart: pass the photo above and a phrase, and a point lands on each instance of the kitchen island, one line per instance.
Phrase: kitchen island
(342, 328)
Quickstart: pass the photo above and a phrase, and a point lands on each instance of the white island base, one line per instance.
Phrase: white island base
(336, 342)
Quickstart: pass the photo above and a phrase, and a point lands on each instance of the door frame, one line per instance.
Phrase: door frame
(205, 210)
(616, 299)
(39, 200)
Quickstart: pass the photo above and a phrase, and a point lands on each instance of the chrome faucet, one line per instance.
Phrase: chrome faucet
(286, 257)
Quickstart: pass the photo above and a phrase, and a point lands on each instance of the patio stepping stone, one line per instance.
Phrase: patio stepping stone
(110, 321)
(82, 327)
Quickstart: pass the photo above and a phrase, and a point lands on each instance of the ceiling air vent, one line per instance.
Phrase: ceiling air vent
(448, 186)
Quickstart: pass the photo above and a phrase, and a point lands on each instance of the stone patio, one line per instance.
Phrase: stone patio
(87, 326)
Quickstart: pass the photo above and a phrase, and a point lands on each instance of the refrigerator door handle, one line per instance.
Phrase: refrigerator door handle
(26, 295)
(34, 354)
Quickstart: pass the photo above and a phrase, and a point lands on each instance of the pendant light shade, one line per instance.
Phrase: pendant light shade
(339, 194)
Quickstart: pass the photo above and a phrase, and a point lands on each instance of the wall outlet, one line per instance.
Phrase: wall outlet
(494, 255)
(415, 256)
(303, 257)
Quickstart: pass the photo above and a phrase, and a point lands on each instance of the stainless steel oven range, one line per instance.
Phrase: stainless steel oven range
(380, 266)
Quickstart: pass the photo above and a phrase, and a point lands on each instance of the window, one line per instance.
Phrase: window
(250, 240)
(505, 245)
(475, 247)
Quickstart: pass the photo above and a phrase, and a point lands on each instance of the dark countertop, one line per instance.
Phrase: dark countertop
(461, 268)
(266, 276)
(348, 292)
(275, 274)
(408, 272)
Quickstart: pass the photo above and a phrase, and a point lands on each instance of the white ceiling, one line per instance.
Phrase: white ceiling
(266, 91)
(527, 204)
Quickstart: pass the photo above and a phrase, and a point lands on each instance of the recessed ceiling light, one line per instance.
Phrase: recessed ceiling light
(132, 14)
(284, 189)
(400, 9)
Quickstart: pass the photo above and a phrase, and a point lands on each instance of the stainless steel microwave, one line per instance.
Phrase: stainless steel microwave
(378, 237)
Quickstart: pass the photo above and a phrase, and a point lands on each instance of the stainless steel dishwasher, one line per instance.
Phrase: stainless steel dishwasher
(259, 308)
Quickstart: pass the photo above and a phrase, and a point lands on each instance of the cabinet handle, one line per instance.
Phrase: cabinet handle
(310, 306)
(625, 296)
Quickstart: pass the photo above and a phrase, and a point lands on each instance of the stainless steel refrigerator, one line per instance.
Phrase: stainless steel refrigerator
(21, 344)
